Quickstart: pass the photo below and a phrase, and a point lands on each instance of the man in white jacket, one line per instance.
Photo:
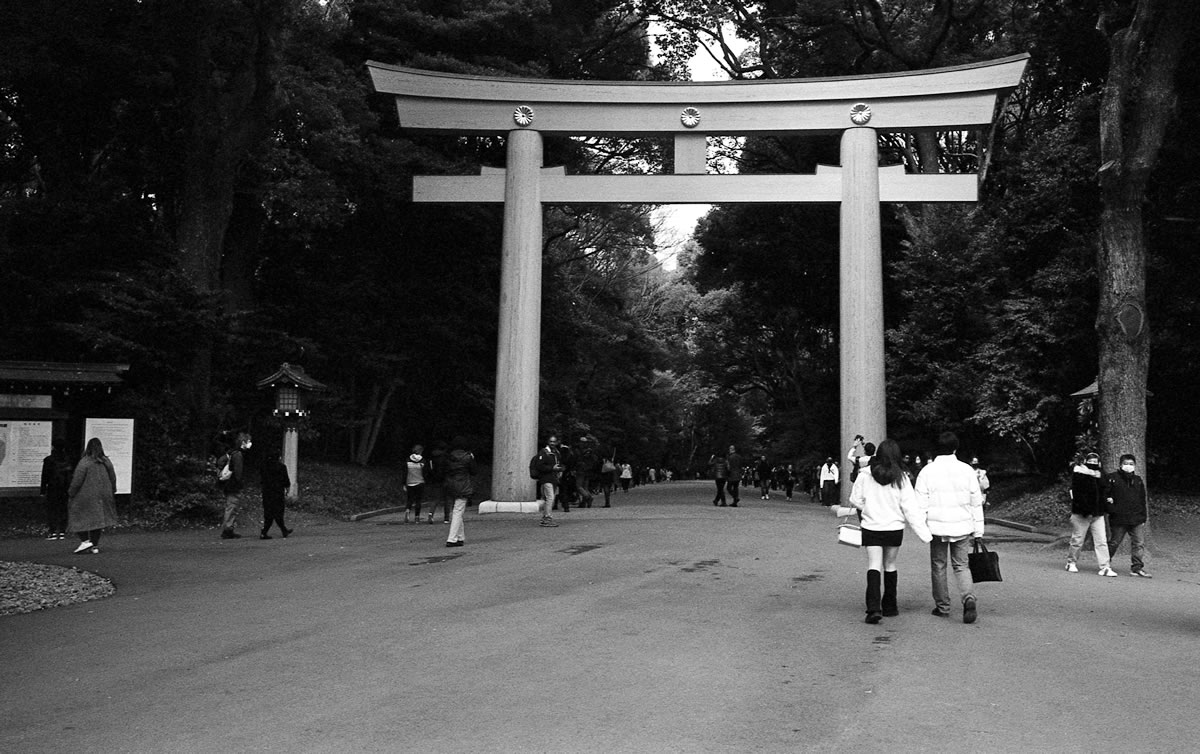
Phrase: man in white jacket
(948, 490)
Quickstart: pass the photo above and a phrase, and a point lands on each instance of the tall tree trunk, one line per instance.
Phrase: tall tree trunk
(227, 77)
(1146, 40)
(376, 412)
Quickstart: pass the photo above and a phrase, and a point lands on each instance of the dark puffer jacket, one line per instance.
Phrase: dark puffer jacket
(1128, 495)
(1085, 492)
(460, 465)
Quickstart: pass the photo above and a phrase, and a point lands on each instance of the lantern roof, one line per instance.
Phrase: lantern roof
(292, 375)
(1088, 392)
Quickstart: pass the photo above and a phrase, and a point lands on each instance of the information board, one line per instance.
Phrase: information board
(117, 437)
(23, 445)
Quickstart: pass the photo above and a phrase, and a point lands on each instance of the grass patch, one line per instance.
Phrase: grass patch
(1049, 503)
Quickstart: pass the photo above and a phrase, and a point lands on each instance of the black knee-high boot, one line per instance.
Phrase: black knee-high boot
(889, 594)
(873, 609)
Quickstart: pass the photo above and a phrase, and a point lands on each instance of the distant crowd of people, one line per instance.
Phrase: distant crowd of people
(575, 476)
(941, 499)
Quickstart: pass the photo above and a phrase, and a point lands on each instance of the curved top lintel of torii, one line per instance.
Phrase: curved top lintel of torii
(942, 98)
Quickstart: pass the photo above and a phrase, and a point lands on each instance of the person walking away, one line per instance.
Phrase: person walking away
(460, 485)
(437, 479)
(789, 480)
(232, 486)
(828, 490)
(886, 501)
(416, 470)
(734, 479)
(91, 507)
(1125, 494)
(608, 477)
(587, 470)
(718, 464)
(626, 476)
(1087, 515)
(274, 481)
(567, 483)
(763, 470)
(948, 491)
(56, 482)
(548, 467)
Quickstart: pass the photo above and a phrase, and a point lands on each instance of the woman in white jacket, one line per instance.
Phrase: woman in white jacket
(885, 500)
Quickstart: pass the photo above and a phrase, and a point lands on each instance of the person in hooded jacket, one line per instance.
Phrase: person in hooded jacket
(91, 507)
(460, 470)
(1125, 493)
(1087, 515)
(416, 471)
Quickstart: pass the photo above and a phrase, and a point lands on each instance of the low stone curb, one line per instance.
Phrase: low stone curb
(380, 512)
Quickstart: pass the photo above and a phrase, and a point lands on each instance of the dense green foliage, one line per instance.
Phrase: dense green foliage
(130, 129)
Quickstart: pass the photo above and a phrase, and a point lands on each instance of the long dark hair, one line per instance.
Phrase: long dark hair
(886, 464)
(94, 449)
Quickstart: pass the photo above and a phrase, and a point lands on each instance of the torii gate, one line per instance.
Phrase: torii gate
(943, 99)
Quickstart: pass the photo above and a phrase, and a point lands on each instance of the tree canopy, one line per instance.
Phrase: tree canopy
(205, 190)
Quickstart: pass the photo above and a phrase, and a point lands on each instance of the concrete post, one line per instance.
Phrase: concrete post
(291, 459)
(863, 390)
(518, 359)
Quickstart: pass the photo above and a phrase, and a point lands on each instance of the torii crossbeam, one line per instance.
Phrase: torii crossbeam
(944, 99)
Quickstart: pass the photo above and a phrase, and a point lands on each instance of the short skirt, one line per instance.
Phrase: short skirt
(872, 538)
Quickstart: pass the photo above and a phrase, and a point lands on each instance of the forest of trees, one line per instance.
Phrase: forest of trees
(206, 189)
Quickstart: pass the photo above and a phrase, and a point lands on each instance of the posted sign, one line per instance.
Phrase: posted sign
(23, 445)
(117, 437)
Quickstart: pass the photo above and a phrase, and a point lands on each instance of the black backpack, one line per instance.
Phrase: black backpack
(533, 466)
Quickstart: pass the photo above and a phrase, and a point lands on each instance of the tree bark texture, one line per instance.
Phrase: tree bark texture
(226, 80)
(1136, 108)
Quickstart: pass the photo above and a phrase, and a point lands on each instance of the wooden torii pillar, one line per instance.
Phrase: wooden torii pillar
(943, 99)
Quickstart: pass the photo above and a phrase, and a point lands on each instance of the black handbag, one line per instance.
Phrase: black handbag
(984, 564)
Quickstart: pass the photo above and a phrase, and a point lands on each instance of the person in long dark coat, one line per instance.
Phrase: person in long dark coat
(91, 507)
(56, 481)
(460, 468)
(275, 482)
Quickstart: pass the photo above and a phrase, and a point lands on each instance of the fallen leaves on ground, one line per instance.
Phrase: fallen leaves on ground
(26, 587)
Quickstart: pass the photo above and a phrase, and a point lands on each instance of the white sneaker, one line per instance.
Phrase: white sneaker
(1108, 572)
(83, 547)
(1072, 569)
(95, 550)
(1144, 574)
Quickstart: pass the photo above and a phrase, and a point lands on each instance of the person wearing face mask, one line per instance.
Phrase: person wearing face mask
(232, 487)
(1125, 493)
(1087, 514)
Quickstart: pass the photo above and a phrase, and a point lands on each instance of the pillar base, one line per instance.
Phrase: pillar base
(497, 506)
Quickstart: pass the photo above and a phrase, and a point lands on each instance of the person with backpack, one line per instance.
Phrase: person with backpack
(546, 467)
(56, 479)
(417, 470)
(230, 479)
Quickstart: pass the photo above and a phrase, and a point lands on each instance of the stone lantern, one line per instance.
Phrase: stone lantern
(292, 386)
